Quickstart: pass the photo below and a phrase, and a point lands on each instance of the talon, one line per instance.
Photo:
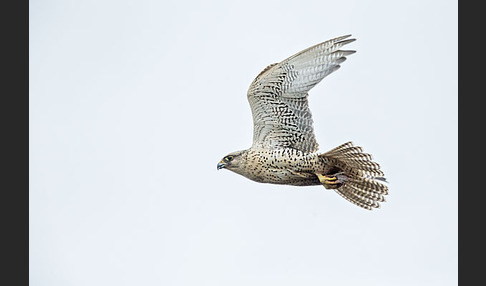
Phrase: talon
(333, 181)
(327, 179)
(330, 182)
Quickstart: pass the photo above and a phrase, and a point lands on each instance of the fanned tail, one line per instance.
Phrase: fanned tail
(354, 175)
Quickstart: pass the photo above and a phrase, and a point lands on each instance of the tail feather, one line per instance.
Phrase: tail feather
(347, 150)
(362, 156)
(363, 199)
(361, 178)
(369, 184)
(351, 199)
(357, 199)
(354, 157)
(366, 193)
(372, 168)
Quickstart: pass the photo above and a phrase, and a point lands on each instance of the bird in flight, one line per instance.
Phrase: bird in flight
(284, 149)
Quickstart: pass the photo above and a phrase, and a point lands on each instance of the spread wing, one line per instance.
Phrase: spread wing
(278, 96)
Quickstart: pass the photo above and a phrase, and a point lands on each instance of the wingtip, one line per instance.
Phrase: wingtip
(341, 38)
(347, 52)
(345, 42)
(345, 37)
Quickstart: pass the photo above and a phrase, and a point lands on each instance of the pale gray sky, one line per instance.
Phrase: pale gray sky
(133, 103)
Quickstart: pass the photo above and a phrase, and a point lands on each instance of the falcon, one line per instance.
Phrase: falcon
(284, 149)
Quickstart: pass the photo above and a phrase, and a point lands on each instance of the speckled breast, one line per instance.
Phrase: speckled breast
(282, 166)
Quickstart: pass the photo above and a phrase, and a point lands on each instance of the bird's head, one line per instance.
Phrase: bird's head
(233, 161)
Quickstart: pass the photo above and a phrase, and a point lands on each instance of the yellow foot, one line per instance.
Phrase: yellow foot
(329, 182)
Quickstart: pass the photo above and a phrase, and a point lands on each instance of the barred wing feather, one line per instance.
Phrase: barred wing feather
(278, 96)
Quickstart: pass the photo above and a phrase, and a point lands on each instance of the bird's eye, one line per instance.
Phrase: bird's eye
(228, 158)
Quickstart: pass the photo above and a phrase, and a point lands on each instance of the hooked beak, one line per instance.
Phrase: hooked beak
(220, 165)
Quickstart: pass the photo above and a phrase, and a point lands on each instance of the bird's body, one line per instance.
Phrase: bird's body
(284, 149)
(285, 166)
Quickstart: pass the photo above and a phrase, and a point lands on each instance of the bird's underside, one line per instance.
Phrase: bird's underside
(284, 149)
